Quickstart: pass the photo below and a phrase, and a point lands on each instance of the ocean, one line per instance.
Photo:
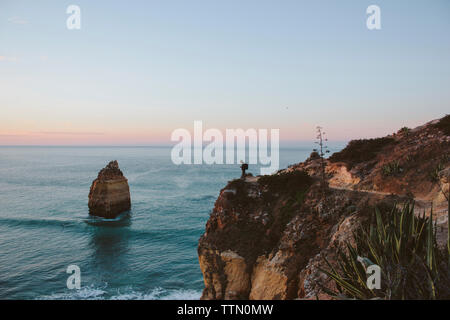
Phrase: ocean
(148, 253)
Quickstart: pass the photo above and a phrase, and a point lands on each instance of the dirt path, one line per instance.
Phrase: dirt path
(440, 211)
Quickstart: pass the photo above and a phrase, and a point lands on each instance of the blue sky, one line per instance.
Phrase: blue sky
(137, 70)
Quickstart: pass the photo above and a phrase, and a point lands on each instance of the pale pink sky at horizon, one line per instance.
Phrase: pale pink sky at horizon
(305, 133)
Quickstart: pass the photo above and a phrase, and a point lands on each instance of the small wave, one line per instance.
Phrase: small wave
(13, 222)
(202, 198)
(160, 294)
(87, 293)
(92, 293)
(122, 219)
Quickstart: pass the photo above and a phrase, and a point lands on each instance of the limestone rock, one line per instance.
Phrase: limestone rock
(270, 281)
(109, 194)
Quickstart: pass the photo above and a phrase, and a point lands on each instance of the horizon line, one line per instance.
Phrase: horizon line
(290, 144)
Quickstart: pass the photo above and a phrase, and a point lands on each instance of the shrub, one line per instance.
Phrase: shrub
(288, 183)
(314, 155)
(404, 247)
(444, 125)
(405, 131)
(358, 151)
(240, 198)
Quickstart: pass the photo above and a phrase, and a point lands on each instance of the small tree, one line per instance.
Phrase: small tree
(321, 150)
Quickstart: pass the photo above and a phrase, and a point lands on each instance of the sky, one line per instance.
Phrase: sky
(138, 70)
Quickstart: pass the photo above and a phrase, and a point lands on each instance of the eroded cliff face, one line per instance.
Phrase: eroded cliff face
(254, 249)
(109, 194)
(267, 237)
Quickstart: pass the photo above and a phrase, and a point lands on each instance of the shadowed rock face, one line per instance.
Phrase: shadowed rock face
(110, 194)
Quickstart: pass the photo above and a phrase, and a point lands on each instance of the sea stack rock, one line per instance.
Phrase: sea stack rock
(110, 194)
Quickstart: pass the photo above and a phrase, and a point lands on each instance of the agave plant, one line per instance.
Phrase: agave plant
(404, 246)
(392, 168)
(435, 173)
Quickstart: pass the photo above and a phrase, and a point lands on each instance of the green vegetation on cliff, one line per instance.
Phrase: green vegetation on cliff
(404, 247)
(362, 150)
(290, 184)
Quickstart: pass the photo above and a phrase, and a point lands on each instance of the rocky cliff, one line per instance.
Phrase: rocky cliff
(267, 236)
(109, 194)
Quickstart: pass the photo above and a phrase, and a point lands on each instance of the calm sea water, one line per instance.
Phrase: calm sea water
(150, 254)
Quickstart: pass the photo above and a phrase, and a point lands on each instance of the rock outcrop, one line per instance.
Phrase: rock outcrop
(267, 237)
(109, 194)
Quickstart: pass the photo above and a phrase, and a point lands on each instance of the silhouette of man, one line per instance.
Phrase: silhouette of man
(244, 166)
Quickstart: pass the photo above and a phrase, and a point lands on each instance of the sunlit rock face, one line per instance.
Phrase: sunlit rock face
(109, 194)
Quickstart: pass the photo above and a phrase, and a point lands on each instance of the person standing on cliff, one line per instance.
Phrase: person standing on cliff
(244, 166)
